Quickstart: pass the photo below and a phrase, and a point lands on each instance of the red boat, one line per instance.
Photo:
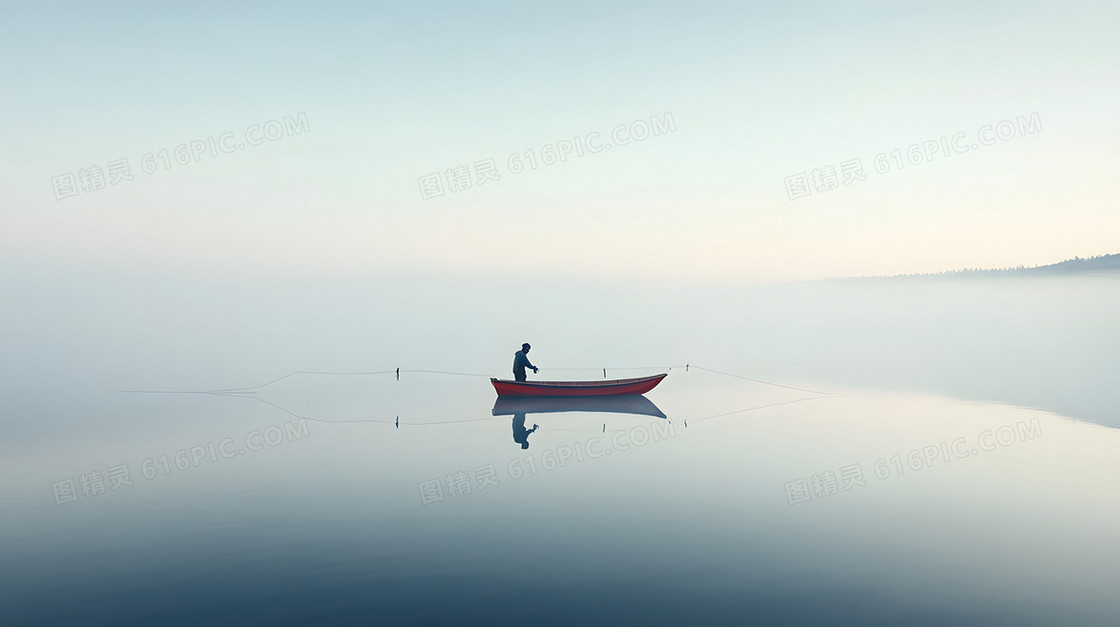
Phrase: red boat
(607, 387)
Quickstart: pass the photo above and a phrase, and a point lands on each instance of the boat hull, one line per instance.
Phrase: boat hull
(609, 387)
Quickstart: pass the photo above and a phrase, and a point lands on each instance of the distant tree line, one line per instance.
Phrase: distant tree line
(1069, 266)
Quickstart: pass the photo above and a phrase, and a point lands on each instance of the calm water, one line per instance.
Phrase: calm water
(953, 463)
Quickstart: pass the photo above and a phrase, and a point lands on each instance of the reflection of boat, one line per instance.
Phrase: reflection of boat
(639, 385)
(618, 404)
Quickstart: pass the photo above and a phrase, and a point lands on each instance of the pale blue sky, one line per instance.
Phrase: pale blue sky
(392, 92)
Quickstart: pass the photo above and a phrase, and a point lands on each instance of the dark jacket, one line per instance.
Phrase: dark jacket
(520, 363)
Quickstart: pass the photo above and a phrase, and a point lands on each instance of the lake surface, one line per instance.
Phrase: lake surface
(938, 452)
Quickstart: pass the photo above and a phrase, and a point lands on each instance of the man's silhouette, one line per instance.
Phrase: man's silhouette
(520, 433)
(521, 361)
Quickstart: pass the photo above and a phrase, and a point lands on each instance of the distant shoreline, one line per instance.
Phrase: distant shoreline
(1070, 267)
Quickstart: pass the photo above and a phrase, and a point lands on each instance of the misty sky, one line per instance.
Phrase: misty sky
(757, 94)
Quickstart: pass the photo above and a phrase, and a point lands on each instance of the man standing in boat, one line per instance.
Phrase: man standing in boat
(521, 362)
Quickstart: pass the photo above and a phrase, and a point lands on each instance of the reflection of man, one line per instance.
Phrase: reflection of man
(521, 362)
(520, 433)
